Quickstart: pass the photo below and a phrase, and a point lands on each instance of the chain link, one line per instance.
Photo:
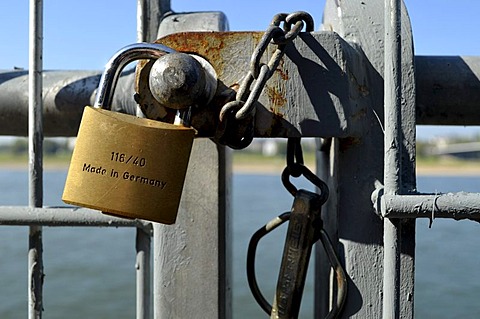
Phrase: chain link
(294, 156)
(296, 168)
(240, 114)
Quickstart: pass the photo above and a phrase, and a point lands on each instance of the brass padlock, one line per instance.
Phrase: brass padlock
(124, 165)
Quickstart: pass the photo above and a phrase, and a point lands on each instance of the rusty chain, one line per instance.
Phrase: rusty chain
(237, 123)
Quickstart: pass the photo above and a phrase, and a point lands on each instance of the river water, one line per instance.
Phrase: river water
(90, 271)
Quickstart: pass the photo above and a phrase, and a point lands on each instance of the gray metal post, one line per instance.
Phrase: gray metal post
(149, 14)
(143, 269)
(327, 170)
(360, 164)
(448, 90)
(451, 205)
(192, 258)
(393, 153)
(35, 132)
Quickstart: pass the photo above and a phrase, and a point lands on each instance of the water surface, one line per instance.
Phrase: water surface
(90, 272)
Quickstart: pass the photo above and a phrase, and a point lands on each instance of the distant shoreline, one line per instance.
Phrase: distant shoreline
(422, 170)
(439, 170)
(276, 168)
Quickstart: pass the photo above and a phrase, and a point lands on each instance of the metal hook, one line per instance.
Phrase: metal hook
(294, 156)
(309, 175)
(295, 168)
(251, 253)
(304, 229)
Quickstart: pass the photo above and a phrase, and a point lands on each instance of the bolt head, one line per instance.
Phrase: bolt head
(177, 81)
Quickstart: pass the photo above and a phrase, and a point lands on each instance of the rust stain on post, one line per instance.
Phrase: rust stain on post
(277, 99)
(216, 47)
(289, 104)
(281, 71)
(225, 51)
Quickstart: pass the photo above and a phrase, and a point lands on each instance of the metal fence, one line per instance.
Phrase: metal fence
(35, 215)
(215, 271)
(396, 201)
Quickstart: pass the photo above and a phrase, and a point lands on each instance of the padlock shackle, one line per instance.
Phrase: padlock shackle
(117, 63)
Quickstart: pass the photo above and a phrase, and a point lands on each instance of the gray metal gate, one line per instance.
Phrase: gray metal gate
(382, 84)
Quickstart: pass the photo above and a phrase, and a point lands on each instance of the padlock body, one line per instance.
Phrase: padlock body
(128, 166)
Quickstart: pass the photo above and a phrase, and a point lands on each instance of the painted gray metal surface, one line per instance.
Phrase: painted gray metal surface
(450, 205)
(325, 101)
(318, 73)
(143, 271)
(65, 94)
(448, 90)
(35, 153)
(360, 162)
(149, 15)
(64, 216)
(327, 169)
(360, 249)
(447, 94)
(193, 21)
(192, 259)
(343, 164)
(393, 153)
(192, 271)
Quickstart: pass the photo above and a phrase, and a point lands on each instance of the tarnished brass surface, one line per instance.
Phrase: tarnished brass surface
(128, 166)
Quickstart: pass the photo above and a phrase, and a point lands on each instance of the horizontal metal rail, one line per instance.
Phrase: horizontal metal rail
(451, 205)
(448, 93)
(65, 216)
(448, 90)
(65, 95)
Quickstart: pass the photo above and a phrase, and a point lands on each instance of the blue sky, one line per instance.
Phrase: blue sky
(84, 34)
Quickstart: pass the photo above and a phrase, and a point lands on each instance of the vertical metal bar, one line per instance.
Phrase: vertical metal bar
(142, 265)
(149, 15)
(142, 27)
(143, 240)
(393, 149)
(142, 11)
(35, 133)
(192, 279)
(391, 271)
(327, 165)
